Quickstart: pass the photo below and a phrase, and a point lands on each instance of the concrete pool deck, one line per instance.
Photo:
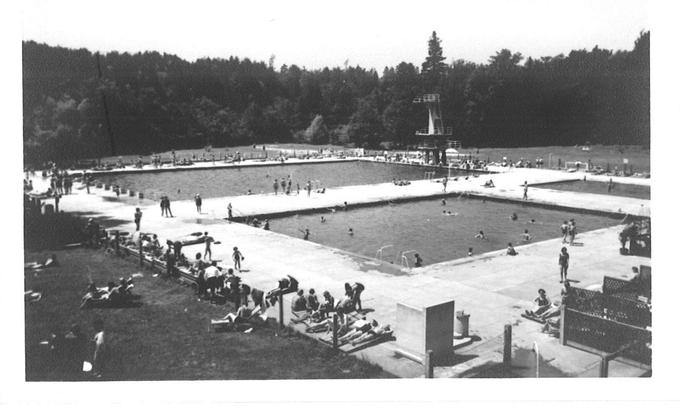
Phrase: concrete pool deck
(493, 288)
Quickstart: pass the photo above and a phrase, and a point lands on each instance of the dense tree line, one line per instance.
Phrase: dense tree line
(78, 104)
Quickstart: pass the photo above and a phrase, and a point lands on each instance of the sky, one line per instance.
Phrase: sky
(319, 33)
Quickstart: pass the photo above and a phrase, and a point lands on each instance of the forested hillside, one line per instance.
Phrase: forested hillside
(79, 104)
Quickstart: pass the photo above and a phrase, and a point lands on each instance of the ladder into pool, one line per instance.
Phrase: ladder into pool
(379, 253)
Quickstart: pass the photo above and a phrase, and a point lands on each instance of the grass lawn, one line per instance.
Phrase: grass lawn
(167, 336)
(612, 155)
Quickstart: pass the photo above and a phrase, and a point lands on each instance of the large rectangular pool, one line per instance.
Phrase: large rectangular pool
(427, 228)
(211, 183)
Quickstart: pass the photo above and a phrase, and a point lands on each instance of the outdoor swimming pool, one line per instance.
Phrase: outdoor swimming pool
(594, 187)
(211, 183)
(423, 227)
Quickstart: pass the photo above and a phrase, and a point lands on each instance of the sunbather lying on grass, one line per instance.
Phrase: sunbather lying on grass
(49, 262)
(111, 296)
(244, 317)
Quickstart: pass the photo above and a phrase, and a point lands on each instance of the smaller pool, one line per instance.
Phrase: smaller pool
(595, 187)
(437, 232)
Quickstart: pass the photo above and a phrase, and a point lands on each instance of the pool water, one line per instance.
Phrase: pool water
(594, 187)
(421, 226)
(211, 183)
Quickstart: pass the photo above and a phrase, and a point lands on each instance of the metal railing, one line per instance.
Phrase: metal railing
(446, 131)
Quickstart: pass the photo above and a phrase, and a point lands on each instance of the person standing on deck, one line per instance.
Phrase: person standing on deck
(237, 257)
(565, 229)
(229, 212)
(445, 182)
(610, 185)
(526, 190)
(208, 242)
(199, 202)
(138, 218)
(309, 188)
(167, 207)
(563, 261)
(571, 231)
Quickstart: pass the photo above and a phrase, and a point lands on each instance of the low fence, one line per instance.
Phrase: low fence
(606, 336)
(622, 310)
(607, 325)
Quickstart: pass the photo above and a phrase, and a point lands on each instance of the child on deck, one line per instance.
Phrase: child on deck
(237, 257)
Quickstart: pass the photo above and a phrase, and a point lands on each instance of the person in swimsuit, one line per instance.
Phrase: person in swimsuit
(199, 202)
(563, 262)
(208, 243)
(237, 257)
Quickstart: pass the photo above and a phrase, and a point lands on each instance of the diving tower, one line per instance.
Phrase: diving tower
(436, 138)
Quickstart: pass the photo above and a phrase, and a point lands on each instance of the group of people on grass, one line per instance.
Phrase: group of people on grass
(68, 352)
(111, 296)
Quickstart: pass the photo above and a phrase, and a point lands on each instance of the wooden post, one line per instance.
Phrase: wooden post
(507, 346)
(141, 253)
(604, 366)
(563, 322)
(429, 366)
(335, 330)
(281, 310)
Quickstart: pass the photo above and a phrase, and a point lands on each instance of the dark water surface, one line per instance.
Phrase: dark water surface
(593, 187)
(423, 227)
(211, 183)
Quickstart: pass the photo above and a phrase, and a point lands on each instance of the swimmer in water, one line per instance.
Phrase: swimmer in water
(469, 252)
(443, 201)
(418, 260)
(305, 233)
(350, 231)
(513, 217)
(480, 235)
(526, 236)
(323, 219)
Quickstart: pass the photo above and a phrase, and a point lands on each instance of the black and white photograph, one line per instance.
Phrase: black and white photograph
(339, 193)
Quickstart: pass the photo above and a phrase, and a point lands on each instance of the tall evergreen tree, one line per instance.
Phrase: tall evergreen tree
(433, 66)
